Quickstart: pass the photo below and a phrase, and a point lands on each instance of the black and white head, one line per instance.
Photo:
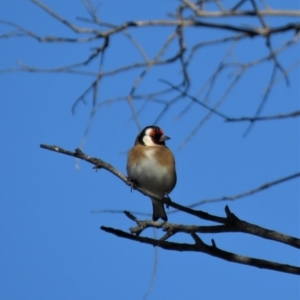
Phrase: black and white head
(151, 136)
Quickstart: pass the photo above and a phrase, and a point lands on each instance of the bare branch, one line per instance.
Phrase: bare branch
(248, 193)
(61, 19)
(180, 22)
(200, 246)
(231, 219)
(238, 13)
(265, 97)
(265, 118)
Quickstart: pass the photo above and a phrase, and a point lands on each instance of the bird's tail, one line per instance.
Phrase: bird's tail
(158, 210)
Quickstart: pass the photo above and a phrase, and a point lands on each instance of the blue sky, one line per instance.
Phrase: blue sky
(51, 244)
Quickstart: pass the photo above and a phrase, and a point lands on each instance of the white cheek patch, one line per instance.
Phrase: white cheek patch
(148, 141)
(148, 131)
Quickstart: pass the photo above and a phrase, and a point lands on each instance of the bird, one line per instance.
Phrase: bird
(151, 166)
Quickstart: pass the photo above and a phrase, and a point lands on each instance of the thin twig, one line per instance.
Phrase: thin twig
(248, 193)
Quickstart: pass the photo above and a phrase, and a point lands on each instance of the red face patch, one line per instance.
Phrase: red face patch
(156, 132)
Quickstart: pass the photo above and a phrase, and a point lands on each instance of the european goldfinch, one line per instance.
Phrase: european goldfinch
(151, 166)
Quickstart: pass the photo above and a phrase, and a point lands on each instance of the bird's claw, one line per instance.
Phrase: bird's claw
(96, 168)
(167, 199)
(133, 184)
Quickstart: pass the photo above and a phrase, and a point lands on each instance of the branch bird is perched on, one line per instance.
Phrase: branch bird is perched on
(151, 165)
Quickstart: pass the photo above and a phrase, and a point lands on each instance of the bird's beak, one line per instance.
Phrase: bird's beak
(163, 138)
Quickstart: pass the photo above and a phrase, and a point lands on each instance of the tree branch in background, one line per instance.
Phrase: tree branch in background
(180, 55)
(248, 193)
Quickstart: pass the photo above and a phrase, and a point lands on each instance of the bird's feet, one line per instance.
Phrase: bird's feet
(133, 184)
(96, 168)
(167, 199)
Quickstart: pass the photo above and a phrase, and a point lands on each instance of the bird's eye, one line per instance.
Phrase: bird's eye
(155, 136)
